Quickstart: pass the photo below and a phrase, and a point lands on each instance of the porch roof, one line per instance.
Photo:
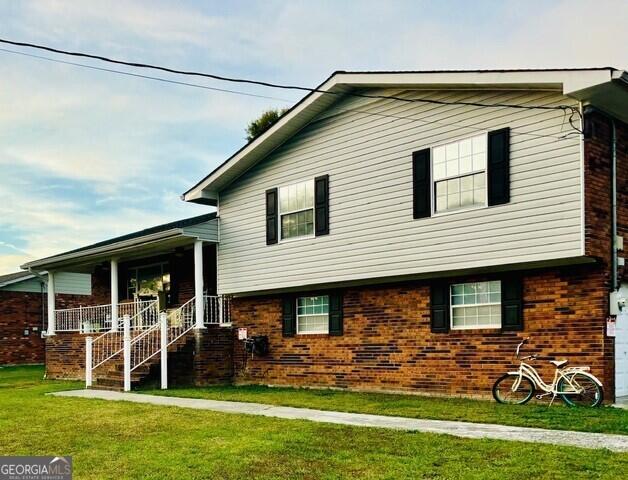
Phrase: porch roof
(167, 235)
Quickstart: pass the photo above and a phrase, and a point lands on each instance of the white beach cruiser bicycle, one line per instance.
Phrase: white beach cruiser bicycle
(575, 385)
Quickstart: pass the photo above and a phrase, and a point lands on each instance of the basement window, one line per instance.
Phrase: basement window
(476, 305)
(313, 314)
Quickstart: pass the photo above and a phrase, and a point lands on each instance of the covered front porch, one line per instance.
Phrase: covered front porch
(150, 291)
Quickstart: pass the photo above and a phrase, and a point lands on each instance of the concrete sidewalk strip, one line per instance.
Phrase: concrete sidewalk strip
(617, 443)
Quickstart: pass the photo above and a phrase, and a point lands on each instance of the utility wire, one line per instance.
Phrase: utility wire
(574, 111)
(158, 79)
(237, 92)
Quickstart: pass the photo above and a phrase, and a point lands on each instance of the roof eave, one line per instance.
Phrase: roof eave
(111, 249)
(16, 280)
(568, 81)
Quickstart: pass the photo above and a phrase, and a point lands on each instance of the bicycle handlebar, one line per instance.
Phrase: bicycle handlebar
(520, 345)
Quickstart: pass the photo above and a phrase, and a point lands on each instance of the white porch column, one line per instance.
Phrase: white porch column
(126, 353)
(114, 295)
(198, 284)
(163, 321)
(51, 303)
(88, 361)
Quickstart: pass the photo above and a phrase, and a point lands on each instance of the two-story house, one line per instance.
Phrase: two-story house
(403, 231)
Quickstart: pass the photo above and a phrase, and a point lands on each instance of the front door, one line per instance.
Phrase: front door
(621, 348)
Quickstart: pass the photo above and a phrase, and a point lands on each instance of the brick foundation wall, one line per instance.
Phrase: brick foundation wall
(388, 344)
(65, 356)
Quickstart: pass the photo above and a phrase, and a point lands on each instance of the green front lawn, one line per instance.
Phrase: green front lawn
(127, 440)
(558, 416)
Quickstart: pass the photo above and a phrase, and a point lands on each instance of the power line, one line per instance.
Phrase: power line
(238, 92)
(574, 111)
(149, 77)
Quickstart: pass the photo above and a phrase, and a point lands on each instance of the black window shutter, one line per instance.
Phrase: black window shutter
(439, 303)
(335, 313)
(272, 234)
(321, 205)
(512, 303)
(421, 188)
(289, 316)
(498, 166)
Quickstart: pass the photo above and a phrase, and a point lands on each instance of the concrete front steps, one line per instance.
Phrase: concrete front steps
(110, 375)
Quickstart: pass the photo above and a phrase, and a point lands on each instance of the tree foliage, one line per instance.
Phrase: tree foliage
(266, 120)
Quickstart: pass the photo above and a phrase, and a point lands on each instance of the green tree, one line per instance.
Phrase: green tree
(266, 120)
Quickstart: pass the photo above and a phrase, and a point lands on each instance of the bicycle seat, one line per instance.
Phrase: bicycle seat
(559, 363)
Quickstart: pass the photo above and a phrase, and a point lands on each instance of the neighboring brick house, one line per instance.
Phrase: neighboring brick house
(403, 231)
(23, 312)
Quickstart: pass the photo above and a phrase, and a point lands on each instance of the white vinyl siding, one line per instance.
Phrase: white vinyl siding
(65, 282)
(207, 231)
(476, 305)
(313, 314)
(372, 230)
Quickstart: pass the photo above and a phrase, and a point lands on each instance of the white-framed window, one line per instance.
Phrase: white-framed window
(296, 210)
(476, 305)
(313, 314)
(459, 174)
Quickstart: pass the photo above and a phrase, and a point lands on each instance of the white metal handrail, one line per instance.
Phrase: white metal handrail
(111, 343)
(97, 318)
(217, 309)
(149, 343)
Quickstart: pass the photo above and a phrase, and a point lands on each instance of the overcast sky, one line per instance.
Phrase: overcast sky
(86, 155)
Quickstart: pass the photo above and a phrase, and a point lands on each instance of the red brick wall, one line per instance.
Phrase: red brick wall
(65, 356)
(597, 156)
(20, 312)
(388, 345)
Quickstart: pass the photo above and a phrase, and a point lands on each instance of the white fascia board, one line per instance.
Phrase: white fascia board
(111, 249)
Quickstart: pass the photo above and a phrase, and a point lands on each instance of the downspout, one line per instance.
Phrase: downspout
(44, 281)
(613, 147)
(614, 259)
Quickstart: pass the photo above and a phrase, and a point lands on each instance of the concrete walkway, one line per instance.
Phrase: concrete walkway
(617, 443)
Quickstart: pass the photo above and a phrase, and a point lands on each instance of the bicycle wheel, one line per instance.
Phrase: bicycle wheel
(503, 390)
(587, 392)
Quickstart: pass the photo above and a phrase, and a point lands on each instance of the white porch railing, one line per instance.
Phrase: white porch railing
(217, 310)
(148, 344)
(111, 343)
(97, 318)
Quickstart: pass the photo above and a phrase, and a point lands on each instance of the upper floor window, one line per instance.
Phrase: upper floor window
(459, 174)
(313, 314)
(296, 210)
(476, 305)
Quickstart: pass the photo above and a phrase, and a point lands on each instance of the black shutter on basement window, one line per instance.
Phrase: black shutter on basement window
(439, 303)
(336, 313)
(289, 316)
(498, 166)
(421, 188)
(512, 303)
(321, 205)
(272, 233)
